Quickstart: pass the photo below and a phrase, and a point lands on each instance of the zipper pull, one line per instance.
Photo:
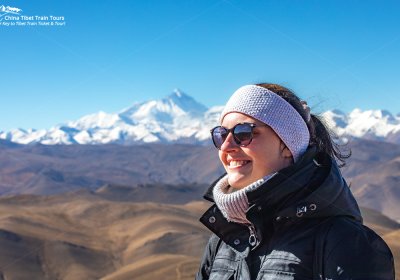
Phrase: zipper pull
(253, 241)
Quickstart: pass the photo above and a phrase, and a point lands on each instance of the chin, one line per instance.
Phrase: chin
(237, 183)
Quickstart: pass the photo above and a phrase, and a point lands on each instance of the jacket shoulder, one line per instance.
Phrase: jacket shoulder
(354, 251)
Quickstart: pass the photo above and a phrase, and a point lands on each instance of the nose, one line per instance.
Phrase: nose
(229, 144)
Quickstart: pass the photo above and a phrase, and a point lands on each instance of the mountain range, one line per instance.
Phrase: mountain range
(178, 118)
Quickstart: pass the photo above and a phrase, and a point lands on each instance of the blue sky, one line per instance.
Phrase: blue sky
(335, 54)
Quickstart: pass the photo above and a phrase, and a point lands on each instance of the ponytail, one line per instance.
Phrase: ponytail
(324, 139)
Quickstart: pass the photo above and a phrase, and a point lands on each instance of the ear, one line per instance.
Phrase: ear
(285, 152)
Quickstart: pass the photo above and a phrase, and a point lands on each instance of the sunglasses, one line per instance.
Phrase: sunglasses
(242, 134)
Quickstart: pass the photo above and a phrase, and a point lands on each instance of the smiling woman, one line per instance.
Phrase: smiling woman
(247, 164)
(283, 210)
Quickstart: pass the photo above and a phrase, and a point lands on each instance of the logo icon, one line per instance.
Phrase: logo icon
(9, 10)
(4, 10)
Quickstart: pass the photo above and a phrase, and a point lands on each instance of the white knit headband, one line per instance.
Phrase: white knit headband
(271, 109)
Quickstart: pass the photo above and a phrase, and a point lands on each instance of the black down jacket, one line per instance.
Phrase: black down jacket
(305, 225)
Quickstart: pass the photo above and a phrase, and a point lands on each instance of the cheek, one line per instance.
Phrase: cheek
(221, 156)
(265, 158)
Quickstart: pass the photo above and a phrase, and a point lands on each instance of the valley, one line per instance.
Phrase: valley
(84, 236)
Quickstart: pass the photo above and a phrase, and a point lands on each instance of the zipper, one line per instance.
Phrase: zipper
(253, 241)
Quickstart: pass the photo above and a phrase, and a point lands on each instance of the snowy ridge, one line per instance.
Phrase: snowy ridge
(371, 124)
(175, 118)
(178, 118)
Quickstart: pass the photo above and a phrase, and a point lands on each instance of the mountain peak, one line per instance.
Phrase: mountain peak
(185, 102)
(178, 93)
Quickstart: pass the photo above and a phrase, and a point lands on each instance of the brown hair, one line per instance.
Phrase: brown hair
(320, 135)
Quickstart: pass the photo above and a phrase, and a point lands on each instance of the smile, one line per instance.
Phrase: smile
(238, 163)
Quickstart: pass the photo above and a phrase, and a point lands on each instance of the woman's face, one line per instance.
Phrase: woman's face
(265, 154)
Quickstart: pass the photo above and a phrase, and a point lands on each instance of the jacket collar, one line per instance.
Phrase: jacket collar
(279, 178)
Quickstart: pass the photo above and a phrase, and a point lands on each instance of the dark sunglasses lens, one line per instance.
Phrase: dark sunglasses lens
(219, 135)
(243, 134)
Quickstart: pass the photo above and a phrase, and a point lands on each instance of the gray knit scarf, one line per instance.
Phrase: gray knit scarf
(234, 205)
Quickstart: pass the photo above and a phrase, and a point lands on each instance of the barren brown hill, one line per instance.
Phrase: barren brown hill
(162, 193)
(83, 236)
(46, 170)
(380, 223)
(161, 173)
(373, 171)
(380, 187)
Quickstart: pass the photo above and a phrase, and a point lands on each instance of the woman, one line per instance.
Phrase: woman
(283, 210)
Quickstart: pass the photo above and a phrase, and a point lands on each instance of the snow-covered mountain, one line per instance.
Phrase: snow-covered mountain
(378, 125)
(178, 118)
(175, 118)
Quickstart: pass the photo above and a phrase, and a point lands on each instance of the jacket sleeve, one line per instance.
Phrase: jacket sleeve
(208, 258)
(355, 252)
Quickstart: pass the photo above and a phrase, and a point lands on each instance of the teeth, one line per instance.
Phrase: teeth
(237, 162)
